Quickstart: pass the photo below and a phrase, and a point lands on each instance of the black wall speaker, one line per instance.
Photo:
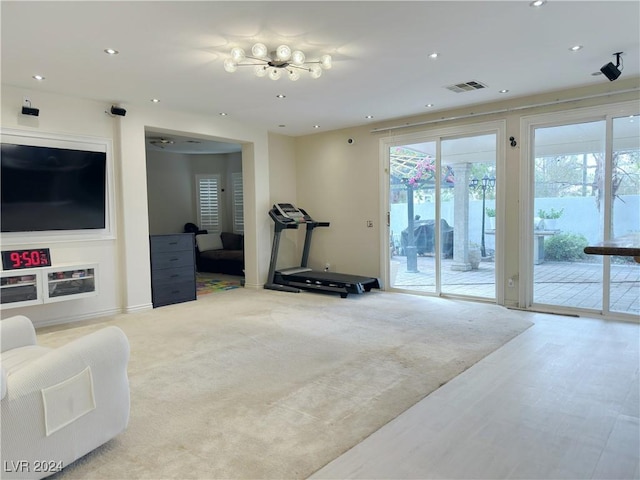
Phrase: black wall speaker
(118, 111)
(34, 112)
(611, 71)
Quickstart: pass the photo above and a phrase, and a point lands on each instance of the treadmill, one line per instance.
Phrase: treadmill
(287, 215)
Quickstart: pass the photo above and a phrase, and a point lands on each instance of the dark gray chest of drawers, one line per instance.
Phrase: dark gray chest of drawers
(173, 269)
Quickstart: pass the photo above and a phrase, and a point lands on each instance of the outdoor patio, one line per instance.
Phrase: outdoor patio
(569, 284)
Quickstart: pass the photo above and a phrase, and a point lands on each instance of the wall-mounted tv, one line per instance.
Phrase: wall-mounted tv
(45, 189)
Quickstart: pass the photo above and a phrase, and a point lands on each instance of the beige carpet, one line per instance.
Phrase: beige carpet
(251, 384)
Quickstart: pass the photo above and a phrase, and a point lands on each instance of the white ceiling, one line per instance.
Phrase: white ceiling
(174, 51)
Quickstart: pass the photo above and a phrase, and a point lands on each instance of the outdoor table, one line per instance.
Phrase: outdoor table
(626, 246)
(538, 243)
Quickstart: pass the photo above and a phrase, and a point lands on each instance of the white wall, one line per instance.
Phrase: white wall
(124, 260)
(255, 168)
(224, 165)
(283, 189)
(340, 183)
(322, 173)
(233, 164)
(170, 190)
(77, 118)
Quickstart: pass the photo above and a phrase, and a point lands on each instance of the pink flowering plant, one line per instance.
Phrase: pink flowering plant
(417, 169)
(424, 170)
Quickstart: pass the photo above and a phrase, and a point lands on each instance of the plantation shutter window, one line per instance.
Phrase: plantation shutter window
(208, 197)
(238, 202)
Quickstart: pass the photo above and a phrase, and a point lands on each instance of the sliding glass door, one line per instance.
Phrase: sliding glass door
(586, 190)
(442, 212)
(623, 193)
(412, 216)
(468, 207)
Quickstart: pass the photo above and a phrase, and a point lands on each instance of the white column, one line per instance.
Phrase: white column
(461, 218)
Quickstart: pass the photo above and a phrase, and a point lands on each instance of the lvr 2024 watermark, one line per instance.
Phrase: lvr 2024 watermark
(36, 466)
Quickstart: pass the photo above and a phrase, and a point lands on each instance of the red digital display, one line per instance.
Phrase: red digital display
(33, 258)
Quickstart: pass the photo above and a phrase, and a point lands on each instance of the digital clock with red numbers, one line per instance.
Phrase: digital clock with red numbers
(33, 258)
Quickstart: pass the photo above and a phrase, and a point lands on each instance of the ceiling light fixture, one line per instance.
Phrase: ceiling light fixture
(161, 142)
(155, 100)
(38, 77)
(434, 55)
(537, 3)
(504, 91)
(575, 48)
(274, 64)
(111, 51)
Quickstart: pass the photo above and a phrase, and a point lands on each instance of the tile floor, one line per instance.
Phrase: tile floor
(560, 401)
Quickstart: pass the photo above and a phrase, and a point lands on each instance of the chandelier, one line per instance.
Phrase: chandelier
(274, 64)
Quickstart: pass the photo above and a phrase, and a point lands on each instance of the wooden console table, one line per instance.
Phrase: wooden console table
(626, 246)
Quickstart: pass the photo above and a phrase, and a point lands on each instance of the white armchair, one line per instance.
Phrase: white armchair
(59, 404)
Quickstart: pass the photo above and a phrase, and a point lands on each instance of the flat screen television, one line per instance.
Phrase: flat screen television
(45, 189)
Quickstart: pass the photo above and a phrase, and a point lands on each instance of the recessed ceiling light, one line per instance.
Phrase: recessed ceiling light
(223, 114)
(595, 74)
(38, 77)
(155, 100)
(429, 105)
(369, 117)
(111, 51)
(575, 48)
(503, 91)
(434, 55)
(537, 3)
(316, 126)
(281, 126)
(281, 96)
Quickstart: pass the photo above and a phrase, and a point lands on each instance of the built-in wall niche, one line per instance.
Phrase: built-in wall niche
(22, 288)
(55, 188)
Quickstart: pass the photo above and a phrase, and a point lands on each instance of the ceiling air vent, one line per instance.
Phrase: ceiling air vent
(466, 87)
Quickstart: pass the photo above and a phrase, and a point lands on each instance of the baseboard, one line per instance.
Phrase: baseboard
(138, 308)
(77, 318)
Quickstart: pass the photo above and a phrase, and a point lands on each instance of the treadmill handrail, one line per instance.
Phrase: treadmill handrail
(286, 222)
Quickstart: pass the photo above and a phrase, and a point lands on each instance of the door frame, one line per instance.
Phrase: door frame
(497, 127)
(528, 124)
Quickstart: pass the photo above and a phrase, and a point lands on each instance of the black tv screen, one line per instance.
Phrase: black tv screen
(46, 188)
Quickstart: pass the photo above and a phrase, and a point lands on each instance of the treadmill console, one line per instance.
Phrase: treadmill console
(291, 212)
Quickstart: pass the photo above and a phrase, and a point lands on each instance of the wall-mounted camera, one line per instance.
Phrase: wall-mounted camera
(351, 141)
(115, 110)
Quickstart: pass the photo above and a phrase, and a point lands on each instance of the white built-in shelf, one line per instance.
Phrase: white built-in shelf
(22, 288)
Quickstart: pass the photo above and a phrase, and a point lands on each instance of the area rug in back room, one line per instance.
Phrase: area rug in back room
(205, 286)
